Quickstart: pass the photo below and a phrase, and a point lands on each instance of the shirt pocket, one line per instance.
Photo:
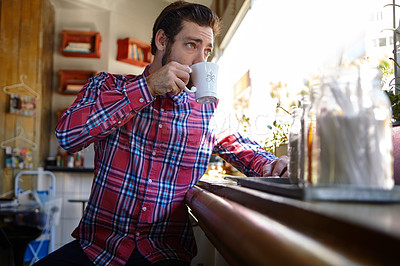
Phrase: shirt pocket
(194, 148)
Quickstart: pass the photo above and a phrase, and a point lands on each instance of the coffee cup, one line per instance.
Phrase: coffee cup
(204, 78)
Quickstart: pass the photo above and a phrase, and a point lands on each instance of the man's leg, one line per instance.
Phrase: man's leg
(70, 254)
(172, 263)
(137, 259)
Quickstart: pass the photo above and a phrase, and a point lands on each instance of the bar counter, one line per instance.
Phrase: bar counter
(251, 227)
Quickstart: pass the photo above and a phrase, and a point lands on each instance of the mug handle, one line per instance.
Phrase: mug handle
(192, 90)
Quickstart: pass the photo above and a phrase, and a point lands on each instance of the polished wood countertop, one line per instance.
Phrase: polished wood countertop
(251, 227)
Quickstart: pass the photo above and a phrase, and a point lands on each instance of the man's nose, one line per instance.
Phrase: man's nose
(200, 57)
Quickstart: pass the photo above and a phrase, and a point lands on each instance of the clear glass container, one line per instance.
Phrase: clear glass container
(350, 139)
(304, 122)
(294, 146)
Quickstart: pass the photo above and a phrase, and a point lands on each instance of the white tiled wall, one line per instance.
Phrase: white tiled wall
(70, 186)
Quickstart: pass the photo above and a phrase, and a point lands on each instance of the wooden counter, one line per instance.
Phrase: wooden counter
(249, 227)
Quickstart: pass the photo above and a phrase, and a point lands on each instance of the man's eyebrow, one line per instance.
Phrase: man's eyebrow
(195, 39)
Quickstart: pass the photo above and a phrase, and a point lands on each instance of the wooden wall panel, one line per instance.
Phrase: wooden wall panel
(45, 66)
(26, 42)
(10, 28)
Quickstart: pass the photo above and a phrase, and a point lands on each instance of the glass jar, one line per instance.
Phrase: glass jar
(350, 142)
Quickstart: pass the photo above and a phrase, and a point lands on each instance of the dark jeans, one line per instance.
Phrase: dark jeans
(72, 254)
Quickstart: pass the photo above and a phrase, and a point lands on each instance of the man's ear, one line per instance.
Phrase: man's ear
(161, 40)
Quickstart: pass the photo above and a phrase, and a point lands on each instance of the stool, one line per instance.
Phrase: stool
(82, 201)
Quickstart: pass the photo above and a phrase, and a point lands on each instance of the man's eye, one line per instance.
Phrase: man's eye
(207, 52)
(190, 45)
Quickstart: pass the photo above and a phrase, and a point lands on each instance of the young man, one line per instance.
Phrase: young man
(152, 143)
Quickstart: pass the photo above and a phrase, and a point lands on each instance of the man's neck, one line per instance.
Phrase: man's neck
(156, 64)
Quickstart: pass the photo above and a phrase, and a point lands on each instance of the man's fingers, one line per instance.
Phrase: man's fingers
(280, 166)
(277, 167)
(286, 173)
(267, 170)
(171, 78)
(183, 75)
(179, 87)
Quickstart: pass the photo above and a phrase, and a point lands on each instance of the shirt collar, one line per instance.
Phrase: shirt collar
(146, 70)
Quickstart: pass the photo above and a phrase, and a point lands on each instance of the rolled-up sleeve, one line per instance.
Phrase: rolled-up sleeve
(243, 153)
(105, 103)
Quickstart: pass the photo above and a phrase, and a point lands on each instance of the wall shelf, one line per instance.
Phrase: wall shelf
(134, 52)
(80, 44)
(71, 81)
(69, 169)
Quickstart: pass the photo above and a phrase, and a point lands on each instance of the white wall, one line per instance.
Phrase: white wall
(133, 19)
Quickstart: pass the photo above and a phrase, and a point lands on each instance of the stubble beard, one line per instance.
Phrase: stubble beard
(166, 59)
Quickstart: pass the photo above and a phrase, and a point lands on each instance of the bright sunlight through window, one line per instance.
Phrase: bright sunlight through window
(280, 44)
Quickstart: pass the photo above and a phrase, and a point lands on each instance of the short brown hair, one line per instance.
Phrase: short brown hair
(171, 20)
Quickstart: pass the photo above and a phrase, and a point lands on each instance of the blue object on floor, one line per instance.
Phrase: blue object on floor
(34, 247)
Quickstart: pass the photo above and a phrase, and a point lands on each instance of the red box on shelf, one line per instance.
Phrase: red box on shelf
(71, 81)
(80, 43)
(134, 52)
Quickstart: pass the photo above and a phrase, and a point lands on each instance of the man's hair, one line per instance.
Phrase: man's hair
(171, 20)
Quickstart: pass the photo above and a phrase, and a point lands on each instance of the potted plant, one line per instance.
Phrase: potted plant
(392, 90)
(277, 141)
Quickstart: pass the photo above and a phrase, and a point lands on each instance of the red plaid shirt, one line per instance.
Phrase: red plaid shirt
(149, 152)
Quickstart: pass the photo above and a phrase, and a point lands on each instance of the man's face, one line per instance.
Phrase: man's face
(193, 44)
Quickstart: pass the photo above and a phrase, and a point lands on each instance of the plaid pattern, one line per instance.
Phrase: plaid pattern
(149, 152)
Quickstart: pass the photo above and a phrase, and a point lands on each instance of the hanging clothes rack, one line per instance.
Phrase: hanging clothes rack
(21, 85)
(21, 137)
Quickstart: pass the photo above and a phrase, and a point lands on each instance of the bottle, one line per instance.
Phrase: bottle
(311, 144)
(70, 160)
(79, 159)
(304, 123)
(59, 157)
(294, 146)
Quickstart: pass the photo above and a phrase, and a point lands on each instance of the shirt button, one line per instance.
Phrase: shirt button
(160, 126)
(137, 234)
(154, 153)
(150, 180)
(119, 122)
(162, 109)
(141, 100)
(144, 209)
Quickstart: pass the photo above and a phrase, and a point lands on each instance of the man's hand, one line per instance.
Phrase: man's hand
(277, 168)
(171, 78)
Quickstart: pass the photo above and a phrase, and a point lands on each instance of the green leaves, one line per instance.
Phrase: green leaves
(395, 102)
(280, 136)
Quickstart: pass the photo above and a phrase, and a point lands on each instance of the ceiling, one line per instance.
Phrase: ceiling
(106, 4)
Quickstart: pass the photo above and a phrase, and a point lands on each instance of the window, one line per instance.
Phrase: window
(309, 38)
(379, 16)
(382, 42)
(391, 40)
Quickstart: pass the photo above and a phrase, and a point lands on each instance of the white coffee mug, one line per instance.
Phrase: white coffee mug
(204, 77)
